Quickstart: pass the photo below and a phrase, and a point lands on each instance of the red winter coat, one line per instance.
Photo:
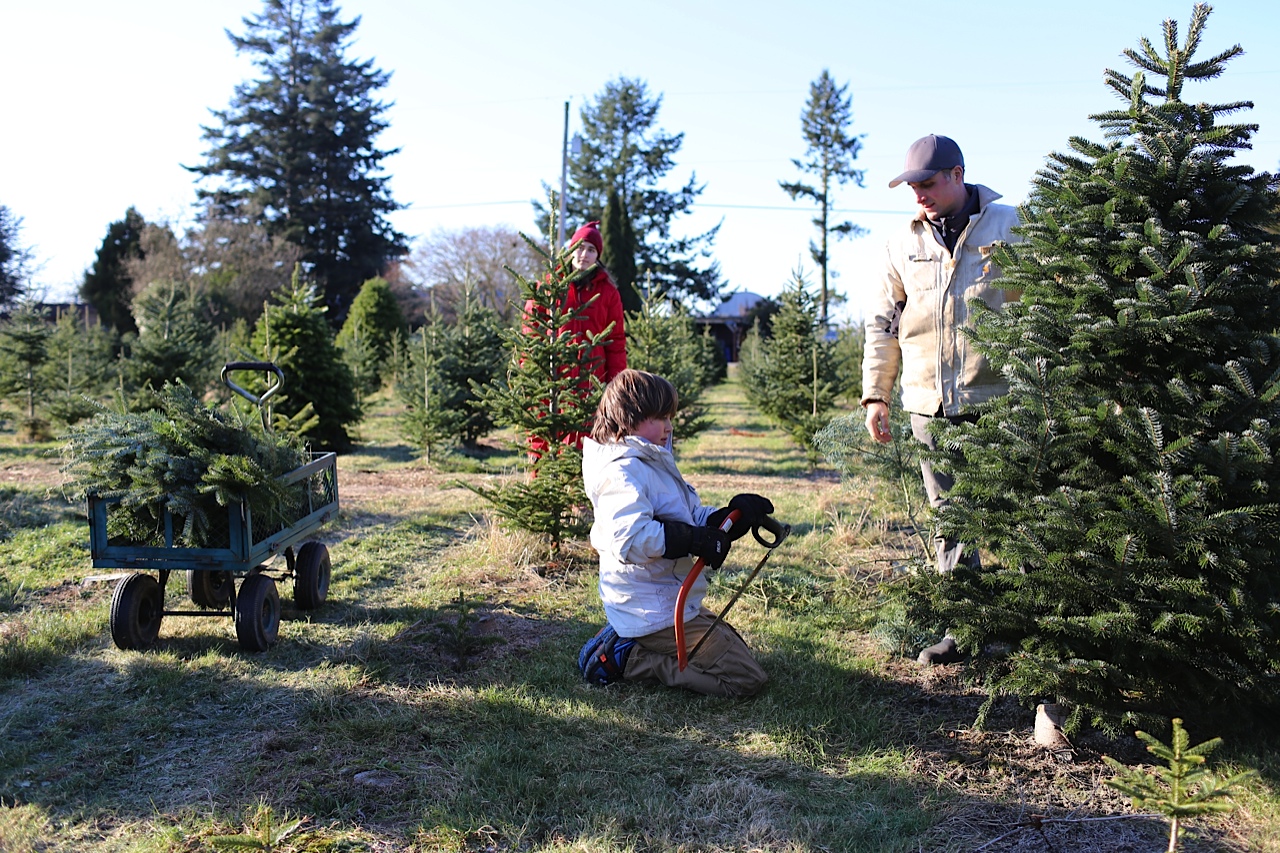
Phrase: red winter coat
(601, 305)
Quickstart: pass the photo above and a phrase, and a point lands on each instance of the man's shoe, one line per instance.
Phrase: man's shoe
(943, 651)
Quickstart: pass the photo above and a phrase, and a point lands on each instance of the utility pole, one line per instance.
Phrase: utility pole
(564, 177)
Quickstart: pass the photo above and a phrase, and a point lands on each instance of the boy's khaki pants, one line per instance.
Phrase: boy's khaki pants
(722, 667)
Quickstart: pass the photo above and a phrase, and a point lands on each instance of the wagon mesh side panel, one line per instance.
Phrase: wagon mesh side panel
(305, 497)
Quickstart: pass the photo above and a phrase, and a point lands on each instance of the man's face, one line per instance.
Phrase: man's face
(942, 194)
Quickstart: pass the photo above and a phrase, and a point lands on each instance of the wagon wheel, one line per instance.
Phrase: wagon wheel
(311, 574)
(257, 613)
(137, 606)
(209, 589)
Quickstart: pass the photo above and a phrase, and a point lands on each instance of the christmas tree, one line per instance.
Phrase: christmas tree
(790, 376)
(662, 339)
(1124, 493)
(549, 395)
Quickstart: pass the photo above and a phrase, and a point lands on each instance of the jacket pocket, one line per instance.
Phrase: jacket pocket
(920, 274)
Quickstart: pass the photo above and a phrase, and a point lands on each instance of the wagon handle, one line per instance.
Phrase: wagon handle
(258, 401)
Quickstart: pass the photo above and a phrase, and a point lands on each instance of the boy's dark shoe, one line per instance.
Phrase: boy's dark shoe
(942, 652)
(604, 657)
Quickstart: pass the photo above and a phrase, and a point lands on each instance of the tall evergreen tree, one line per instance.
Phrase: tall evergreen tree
(15, 259)
(108, 286)
(1127, 490)
(296, 148)
(619, 255)
(623, 151)
(829, 161)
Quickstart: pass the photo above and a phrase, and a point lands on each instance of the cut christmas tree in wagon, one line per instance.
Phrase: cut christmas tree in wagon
(218, 495)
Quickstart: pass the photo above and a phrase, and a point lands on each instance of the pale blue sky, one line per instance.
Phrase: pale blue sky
(104, 102)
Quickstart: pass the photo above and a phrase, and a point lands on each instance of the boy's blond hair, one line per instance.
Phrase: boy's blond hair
(630, 399)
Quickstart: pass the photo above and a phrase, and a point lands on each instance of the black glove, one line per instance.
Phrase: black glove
(705, 542)
(752, 510)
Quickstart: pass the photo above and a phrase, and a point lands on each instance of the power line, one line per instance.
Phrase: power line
(801, 209)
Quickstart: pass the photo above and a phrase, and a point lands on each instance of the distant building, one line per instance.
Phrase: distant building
(731, 321)
(84, 313)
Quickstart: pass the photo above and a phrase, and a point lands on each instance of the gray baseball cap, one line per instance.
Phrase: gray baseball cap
(927, 156)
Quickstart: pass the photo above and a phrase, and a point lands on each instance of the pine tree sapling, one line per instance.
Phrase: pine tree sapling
(294, 335)
(1183, 788)
(449, 362)
(1127, 490)
(80, 369)
(662, 339)
(435, 409)
(790, 375)
(375, 317)
(24, 349)
(175, 342)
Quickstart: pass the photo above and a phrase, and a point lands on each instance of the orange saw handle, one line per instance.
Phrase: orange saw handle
(682, 650)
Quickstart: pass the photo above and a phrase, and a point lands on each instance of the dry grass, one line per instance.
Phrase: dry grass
(364, 720)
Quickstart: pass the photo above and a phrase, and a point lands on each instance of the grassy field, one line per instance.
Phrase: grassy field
(434, 702)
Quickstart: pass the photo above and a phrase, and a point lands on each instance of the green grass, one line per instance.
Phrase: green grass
(362, 721)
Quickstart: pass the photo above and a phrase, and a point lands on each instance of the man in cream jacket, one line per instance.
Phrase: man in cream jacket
(933, 268)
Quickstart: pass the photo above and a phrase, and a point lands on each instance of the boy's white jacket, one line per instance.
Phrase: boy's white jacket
(634, 486)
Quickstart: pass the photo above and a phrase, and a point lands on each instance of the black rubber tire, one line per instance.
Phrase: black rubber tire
(311, 573)
(209, 589)
(257, 613)
(137, 608)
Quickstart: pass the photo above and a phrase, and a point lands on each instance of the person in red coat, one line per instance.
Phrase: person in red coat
(593, 290)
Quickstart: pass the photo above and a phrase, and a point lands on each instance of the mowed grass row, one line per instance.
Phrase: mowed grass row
(434, 702)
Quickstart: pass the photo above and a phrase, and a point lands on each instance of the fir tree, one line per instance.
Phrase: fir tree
(15, 259)
(296, 337)
(435, 408)
(449, 365)
(377, 315)
(790, 376)
(81, 367)
(1126, 490)
(296, 149)
(661, 339)
(831, 154)
(360, 355)
(24, 341)
(477, 338)
(619, 255)
(175, 343)
(108, 286)
(550, 395)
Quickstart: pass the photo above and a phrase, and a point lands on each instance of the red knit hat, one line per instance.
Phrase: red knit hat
(590, 233)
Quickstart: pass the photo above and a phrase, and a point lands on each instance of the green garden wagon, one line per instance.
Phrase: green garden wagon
(241, 552)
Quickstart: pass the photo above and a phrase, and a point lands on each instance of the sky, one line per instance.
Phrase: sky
(105, 104)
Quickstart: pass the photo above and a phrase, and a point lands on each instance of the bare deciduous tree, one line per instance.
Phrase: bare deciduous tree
(447, 258)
